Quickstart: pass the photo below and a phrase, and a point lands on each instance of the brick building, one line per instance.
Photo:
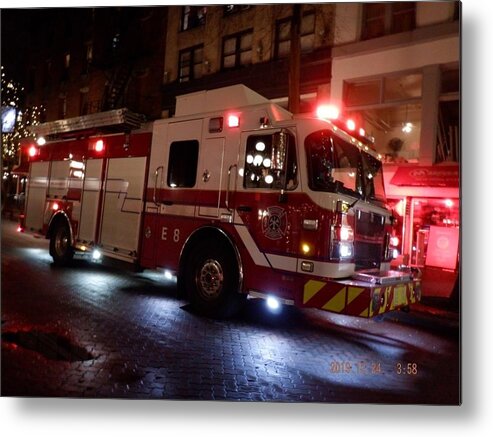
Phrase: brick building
(213, 46)
(85, 60)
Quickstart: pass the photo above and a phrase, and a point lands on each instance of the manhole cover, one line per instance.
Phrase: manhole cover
(52, 346)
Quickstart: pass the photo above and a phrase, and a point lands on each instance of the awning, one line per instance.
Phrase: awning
(427, 176)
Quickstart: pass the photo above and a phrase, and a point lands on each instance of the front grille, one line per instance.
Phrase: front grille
(369, 238)
(369, 224)
(367, 255)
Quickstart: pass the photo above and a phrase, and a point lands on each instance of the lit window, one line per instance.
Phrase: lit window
(193, 16)
(234, 9)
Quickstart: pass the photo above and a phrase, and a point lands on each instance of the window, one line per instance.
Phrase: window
(283, 35)
(182, 167)
(385, 18)
(237, 50)
(190, 63)
(192, 16)
(362, 93)
(62, 106)
(406, 87)
(89, 53)
(88, 60)
(260, 168)
(233, 9)
(83, 106)
(374, 186)
(333, 164)
(115, 42)
(66, 66)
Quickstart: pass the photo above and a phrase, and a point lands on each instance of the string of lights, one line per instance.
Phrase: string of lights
(16, 120)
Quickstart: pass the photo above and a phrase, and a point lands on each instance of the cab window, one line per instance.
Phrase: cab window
(260, 169)
(182, 167)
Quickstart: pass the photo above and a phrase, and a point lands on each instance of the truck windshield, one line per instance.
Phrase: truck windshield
(337, 165)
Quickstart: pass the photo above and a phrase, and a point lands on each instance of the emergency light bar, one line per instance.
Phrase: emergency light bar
(332, 113)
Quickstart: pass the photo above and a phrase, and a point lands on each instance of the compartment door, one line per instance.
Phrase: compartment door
(123, 204)
(91, 194)
(36, 196)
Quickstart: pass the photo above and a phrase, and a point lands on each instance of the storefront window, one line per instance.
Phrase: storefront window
(435, 233)
(389, 109)
(396, 130)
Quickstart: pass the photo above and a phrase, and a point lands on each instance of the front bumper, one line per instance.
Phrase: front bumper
(356, 297)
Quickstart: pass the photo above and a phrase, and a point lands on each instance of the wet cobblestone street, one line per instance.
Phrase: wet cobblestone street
(125, 335)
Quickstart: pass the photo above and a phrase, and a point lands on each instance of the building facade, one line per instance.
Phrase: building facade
(396, 69)
(214, 46)
(86, 60)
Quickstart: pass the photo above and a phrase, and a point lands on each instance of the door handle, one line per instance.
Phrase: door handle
(156, 174)
(226, 201)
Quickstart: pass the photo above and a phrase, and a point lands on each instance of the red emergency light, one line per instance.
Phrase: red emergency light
(332, 113)
(33, 151)
(350, 124)
(328, 112)
(99, 146)
(233, 120)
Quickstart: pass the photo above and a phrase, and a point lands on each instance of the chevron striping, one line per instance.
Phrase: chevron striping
(337, 303)
(312, 287)
(353, 293)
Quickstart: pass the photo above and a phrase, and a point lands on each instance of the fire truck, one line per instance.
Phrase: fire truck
(233, 195)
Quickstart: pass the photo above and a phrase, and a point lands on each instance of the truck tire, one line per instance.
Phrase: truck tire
(212, 280)
(61, 249)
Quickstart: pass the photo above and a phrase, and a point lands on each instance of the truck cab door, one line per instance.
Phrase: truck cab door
(210, 177)
(267, 201)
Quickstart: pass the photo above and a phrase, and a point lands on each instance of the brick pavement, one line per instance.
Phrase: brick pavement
(147, 344)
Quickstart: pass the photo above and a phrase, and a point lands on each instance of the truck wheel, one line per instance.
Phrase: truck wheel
(213, 279)
(61, 249)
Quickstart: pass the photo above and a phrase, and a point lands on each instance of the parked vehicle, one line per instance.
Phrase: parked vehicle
(234, 195)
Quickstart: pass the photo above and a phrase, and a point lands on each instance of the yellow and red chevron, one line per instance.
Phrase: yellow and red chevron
(356, 300)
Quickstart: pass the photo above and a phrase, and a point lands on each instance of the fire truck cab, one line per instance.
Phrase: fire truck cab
(234, 195)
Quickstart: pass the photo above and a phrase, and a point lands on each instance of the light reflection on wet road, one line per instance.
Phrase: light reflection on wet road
(146, 343)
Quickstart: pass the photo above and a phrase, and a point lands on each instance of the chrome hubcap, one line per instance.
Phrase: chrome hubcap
(61, 242)
(210, 279)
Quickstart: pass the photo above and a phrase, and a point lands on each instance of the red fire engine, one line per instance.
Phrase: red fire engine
(234, 195)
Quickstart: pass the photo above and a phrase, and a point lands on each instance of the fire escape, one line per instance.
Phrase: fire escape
(115, 91)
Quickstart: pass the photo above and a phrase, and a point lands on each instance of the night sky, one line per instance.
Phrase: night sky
(16, 36)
